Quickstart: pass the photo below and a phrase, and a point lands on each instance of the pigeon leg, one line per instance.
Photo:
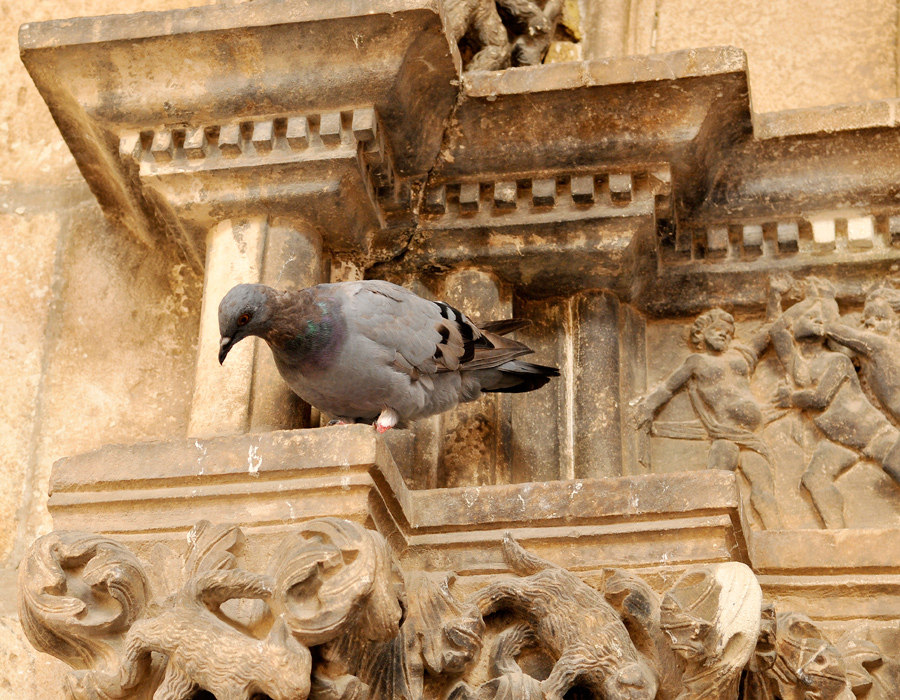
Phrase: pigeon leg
(387, 420)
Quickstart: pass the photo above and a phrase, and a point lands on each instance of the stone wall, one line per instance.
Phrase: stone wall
(99, 334)
(801, 54)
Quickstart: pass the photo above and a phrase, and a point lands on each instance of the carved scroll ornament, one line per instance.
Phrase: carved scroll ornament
(324, 622)
(88, 601)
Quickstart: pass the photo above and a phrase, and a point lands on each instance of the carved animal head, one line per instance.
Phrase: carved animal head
(808, 667)
(333, 575)
(450, 632)
(78, 595)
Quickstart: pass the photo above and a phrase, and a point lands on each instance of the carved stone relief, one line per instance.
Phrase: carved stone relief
(324, 622)
(826, 389)
(533, 24)
(88, 601)
(575, 624)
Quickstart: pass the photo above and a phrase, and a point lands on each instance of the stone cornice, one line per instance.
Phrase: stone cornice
(660, 157)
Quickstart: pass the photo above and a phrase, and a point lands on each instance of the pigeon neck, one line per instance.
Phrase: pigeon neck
(307, 332)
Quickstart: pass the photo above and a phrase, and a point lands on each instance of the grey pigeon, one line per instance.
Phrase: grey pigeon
(372, 351)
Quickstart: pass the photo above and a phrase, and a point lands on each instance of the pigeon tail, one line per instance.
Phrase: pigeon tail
(517, 377)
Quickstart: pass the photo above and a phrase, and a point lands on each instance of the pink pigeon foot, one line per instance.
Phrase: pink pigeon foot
(387, 420)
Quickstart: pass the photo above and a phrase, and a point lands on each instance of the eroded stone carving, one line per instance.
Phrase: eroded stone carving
(712, 616)
(87, 600)
(717, 379)
(825, 386)
(323, 622)
(805, 665)
(482, 19)
(438, 641)
(573, 622)
(836, 413)
(79, 594)
(877, 344)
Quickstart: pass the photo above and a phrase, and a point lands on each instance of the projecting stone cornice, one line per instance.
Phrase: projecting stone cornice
(356, 120)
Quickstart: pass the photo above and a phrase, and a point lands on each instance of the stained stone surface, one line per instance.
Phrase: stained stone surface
(610, 202)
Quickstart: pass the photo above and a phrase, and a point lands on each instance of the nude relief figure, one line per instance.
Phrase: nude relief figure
(825, 386)
(717, 379)
(877, 344)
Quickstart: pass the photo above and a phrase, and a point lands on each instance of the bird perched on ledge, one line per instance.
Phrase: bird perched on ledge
(371, 351)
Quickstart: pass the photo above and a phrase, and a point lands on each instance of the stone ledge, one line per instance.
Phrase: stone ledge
(155, 492)
(799, 552)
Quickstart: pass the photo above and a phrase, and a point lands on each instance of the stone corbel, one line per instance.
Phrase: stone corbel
(232, 111)
(285, 140)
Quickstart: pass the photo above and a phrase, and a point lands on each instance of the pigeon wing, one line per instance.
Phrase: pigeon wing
(425, 337)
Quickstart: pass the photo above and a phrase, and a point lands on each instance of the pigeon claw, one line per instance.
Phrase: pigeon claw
(387, 420)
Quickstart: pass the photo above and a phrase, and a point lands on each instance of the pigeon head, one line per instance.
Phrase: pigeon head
(243, 311)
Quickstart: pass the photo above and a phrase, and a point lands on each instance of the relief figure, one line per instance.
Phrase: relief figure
(717, 379)
(826, 387)
(877, 344)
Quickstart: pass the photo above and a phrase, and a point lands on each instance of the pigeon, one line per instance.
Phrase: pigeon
(374, 352)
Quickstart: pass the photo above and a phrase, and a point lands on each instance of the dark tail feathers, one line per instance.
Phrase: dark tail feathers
(518, 377)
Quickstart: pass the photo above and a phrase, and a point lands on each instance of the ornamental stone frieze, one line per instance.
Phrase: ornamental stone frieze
(706, 504)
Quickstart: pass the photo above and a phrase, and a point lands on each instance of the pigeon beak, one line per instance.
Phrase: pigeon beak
(224, 346)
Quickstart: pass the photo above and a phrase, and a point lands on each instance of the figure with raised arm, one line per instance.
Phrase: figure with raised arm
(717, 379)
(877, 343)
(827, 388)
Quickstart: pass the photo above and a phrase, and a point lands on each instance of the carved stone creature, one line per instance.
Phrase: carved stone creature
(205, 652)
(640, 608)
(86, 600)
(481, 18)
(575, 624)
(509, 681)
(712, 616)
(372, 351)
(806, 665)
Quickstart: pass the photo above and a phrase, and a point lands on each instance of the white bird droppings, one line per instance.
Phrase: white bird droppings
(254, 461)
(202, 449)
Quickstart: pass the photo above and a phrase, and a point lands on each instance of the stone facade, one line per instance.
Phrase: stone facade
(107, 343)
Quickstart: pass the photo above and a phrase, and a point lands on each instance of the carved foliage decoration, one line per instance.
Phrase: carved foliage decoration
(88, 601)
(324, 622)
(78, 596)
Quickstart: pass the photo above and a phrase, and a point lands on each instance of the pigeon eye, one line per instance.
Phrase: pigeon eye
(243, 319)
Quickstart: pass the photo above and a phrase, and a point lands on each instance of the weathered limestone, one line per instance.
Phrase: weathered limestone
(607, 201)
